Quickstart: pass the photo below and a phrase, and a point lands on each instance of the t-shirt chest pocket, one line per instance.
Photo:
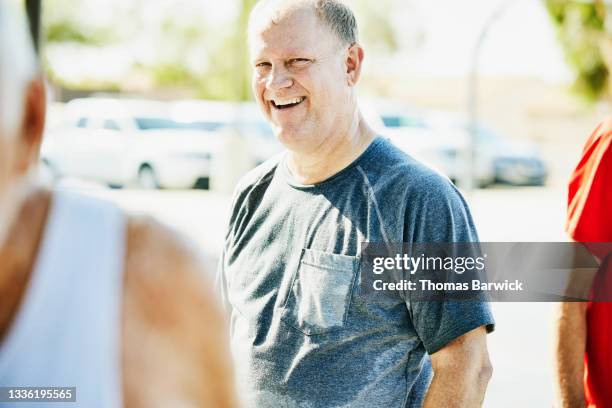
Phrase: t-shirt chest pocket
(319, 295)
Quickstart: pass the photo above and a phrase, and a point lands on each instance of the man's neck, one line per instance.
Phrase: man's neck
(19, 253)
(332, 156)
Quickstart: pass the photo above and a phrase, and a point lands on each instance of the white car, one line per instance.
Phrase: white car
(245, 119)
(127, 142)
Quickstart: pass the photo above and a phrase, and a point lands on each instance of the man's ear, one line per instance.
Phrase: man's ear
(33, 124)
(354, 62)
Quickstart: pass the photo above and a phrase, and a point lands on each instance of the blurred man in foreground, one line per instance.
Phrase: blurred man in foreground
(302, 333)
(584, 330)
(89, 298)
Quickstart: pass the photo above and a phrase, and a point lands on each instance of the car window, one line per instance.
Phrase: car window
(110, 124)
(486, 134)
(483, 134)
(154, 123)
(165, 123)
(396, 121)
(211, 126)
(82, 122)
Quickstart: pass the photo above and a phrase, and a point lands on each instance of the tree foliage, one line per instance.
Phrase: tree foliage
(582, 31)
(209, 59)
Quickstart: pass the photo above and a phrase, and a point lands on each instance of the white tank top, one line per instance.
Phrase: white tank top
(67, 332)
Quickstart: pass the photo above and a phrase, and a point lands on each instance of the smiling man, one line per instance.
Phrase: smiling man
(303, 335)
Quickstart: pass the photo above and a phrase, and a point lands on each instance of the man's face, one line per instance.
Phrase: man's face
(300, 78)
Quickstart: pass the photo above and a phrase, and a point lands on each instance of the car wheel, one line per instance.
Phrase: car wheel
(203, 183)
(485, 183)
(147, 178)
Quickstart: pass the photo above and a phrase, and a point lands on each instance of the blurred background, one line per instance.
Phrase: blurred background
(150, 106)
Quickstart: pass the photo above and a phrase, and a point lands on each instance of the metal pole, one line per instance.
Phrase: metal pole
(469, 179)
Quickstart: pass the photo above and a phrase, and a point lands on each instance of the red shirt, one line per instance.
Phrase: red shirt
(590, 220)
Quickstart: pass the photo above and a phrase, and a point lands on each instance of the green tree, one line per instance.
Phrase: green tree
(209, 59)
(243, 66)
(581, 29)
(376, 29)
(62, 22)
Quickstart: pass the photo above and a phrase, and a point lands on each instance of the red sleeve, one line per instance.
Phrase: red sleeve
(589, 217)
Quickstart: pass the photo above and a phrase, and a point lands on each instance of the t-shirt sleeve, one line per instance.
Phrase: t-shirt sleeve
(590, 189)
(221, 283)
(220, 278)
(444, 217)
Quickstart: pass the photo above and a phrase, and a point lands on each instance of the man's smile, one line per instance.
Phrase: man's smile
(282, 104)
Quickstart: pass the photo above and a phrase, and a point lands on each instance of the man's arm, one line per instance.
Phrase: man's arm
(570, 346)
(461, 372)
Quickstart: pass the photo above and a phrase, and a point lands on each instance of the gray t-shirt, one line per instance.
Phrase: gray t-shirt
(302, 333)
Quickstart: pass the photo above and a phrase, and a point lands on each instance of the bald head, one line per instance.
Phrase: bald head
(18, 66)
(332, 13)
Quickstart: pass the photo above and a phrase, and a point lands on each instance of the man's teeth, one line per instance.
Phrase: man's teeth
(285, 102)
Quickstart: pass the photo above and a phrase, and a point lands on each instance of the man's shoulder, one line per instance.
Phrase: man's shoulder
(255, 182)
(159, 257)
(259, 175)
(392, 168)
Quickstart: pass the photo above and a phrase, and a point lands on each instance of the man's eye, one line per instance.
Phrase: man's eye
(299, 62)
(262, 65)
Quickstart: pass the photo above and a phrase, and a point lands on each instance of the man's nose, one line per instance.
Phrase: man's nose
(279, 78)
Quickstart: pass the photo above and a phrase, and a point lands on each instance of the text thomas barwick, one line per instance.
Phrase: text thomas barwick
(428, 285)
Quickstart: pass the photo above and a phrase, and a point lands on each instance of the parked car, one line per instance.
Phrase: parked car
(127, 142)
(442, 148)
(245, 119)
(515, 162)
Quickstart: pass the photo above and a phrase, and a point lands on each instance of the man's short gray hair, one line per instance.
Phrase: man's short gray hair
(333, 13)
(18, 64)
(340, 18)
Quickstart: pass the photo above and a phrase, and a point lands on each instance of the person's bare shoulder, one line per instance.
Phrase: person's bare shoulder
(175, 343)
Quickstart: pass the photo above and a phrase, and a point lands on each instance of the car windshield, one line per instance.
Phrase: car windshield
(487, 134)
(397, 121)
(166, 123)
